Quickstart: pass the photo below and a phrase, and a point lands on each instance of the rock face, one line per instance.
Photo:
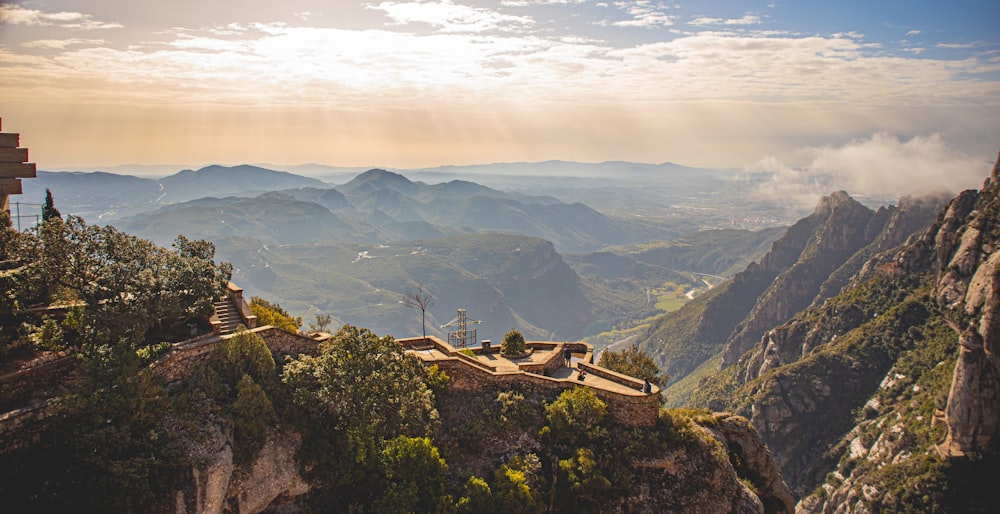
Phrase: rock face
(867, 394)
(835, 239)
(755, 460)
(222, 487)
(969, 287)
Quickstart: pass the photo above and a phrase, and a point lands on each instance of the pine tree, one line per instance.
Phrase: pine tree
(49, 210)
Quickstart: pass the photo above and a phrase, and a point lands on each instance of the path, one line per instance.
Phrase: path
(612, 346)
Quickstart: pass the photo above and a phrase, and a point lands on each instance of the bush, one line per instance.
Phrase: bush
(513, 344)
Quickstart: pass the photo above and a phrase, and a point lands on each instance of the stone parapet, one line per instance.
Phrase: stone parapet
(631, 408)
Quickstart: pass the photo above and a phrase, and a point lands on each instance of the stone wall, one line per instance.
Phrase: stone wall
(43, 374)
(22, 428)
(184, 358)
(469, 374)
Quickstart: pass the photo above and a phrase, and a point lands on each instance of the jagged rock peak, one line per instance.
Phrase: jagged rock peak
(830, 203)
(994, 177)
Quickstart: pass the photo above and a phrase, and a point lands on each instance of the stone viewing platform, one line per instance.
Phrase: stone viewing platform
(544, 370)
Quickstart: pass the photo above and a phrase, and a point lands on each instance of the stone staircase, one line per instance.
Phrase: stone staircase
(228, 315)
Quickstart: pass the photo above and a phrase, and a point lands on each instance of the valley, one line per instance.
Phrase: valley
(833, 336)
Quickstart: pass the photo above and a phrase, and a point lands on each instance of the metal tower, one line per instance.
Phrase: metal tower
(461, 336)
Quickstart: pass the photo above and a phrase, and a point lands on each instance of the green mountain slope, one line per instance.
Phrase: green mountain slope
(884, 397)
(505, 281)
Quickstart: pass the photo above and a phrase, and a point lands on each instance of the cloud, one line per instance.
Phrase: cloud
(747, 19)
(450, 17)
(524, 3)
(881, 167)
(644, 14)
(956, 45)
(16, 15)
(913, 33)
(61, 44)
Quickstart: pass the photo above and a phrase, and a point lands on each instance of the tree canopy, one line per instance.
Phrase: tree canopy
(360, 391)
(123, 292)
(633, 362)
(272, 314)
(513, 343)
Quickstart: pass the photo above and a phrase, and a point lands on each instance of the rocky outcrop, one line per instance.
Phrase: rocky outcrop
(863, 394)
(969, 288)
(754, 462)
(698, 479)
(835, 239)
(220, 486)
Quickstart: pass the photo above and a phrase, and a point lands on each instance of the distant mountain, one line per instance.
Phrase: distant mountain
(721, 252)
(94, 195)
(883, 397)
(801, 268)
(379, 205)
(272, 217)
(220, 181)
(504, 281)
(101, 197)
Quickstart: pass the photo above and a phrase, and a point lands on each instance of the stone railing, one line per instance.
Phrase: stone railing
(44, 373)
(467, 373)
(619, 378)
(178, 363)
(235, 294)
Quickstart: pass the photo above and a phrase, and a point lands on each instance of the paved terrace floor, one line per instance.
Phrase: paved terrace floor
(538, 356)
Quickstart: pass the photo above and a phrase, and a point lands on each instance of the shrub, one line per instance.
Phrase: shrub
(513, 343)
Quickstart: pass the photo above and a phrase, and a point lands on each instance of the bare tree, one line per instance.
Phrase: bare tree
(322, 323)
(419, 299)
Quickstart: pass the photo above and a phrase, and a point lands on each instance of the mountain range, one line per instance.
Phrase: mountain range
(861, 348)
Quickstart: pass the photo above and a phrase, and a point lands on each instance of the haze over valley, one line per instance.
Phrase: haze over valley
(520, 256)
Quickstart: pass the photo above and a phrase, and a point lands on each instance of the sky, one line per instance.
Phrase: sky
(778, 85)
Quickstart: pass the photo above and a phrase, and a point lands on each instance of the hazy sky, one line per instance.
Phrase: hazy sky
(420, 83)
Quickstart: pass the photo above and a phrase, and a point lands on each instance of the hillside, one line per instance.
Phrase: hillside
(137, 399)
(882, 397)
(102, 197)
(505, 281)
(801, 268)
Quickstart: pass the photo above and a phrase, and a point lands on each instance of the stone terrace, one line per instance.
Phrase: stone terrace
(542, 371)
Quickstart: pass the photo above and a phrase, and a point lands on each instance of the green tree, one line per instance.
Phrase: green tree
(272, 314)
(10, 238)
(246, 353)
(252, 413)
(576, 417)
(478, 497)
(517, 488)
(584, 488)
(322, 323)
(359, 391)
(49, 210)
(635, 363)
(414, 476)
(513, 343)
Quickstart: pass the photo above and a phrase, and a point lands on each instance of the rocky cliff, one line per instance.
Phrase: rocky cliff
(217, 485)
(887, 396)
(844, 226)
(811, 262)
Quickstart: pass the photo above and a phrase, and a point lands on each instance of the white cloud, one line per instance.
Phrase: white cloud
(955, 45)
(16, 15)
(61, 44)
(913, 33)
(880, 167)
(450, 17)
(747, 19)
(524, 3)
(645, 13)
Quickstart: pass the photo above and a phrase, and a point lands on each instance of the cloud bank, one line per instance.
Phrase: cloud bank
(880, 168)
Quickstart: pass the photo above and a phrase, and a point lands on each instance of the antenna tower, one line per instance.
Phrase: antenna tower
(461, 336)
